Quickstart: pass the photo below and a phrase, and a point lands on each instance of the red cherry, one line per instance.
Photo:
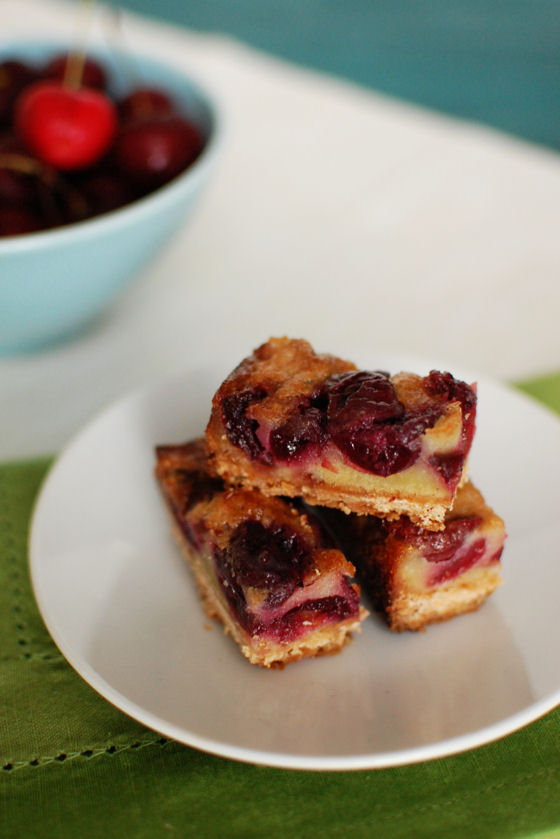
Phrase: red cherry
(145, 102)
(69, 128)
(153, 151)
(92, 74)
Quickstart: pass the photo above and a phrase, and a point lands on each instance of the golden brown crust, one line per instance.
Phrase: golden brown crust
(287, 369)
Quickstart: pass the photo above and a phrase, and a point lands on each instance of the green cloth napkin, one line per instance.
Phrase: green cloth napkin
(71, 765)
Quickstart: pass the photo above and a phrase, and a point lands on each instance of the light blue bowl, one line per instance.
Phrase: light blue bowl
(54, 282)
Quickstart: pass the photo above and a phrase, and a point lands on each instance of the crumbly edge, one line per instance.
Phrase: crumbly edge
(407, 611)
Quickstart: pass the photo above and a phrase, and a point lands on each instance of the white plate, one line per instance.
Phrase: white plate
(121, 605)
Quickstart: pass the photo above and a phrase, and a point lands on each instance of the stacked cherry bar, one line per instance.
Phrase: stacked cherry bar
(384, 456)
(310, 469)
(70, 150)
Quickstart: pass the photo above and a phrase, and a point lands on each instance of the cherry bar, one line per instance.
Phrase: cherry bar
(264, 566)
(290, 422)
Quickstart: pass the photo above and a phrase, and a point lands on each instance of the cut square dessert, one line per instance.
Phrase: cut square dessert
(265, 567)
(290, 422)
(414, 576)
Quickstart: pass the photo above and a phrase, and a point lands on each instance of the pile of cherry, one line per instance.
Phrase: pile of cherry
(71, 151)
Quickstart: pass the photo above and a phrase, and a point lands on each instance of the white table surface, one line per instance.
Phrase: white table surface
(336, 215)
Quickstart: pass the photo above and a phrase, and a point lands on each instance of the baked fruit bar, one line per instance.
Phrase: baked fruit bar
(264, 566)
(290, 422)
(414, 576)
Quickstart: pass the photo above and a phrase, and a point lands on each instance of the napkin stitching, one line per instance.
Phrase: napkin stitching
(36, 656)
(16, 575)
(89, 754)
(86, 754)
(14, 566)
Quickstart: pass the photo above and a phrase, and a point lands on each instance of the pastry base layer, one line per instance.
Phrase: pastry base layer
(412, 611)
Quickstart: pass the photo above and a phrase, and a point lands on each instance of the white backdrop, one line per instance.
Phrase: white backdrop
(335, 214)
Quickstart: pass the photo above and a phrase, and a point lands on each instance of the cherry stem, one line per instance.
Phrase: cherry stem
(28, 166)
(74, 69)
(116, 34)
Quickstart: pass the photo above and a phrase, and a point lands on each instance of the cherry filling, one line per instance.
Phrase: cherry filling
(302, 431)
(361, 414)
(464, 558)
(315, 612)
(241, 429)
(273, 559)
(269, 558)
(355, 400)
(371, 426)
(445, 386)
(447, 551)
(436, 546)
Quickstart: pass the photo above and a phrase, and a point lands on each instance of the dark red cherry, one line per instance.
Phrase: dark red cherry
(304, 428)
(145, 102)
(105, 191)
(92, 74)
(386, 448)
(370, 425)
(10, 143)
(241, 429)
(14, 76)
(152, 151)
(16, 188)
(68, 128)
(273, 558)
(447, 387)
(357, 400)
(17, 220)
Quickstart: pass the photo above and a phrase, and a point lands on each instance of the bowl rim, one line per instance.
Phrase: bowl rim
(121, 216)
